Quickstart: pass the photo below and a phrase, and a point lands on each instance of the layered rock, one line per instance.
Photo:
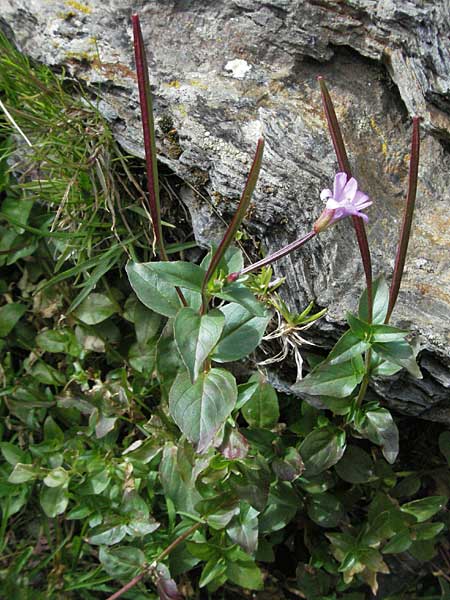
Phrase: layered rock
(225, 72)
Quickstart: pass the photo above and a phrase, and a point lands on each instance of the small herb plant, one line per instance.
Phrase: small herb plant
(157, 461)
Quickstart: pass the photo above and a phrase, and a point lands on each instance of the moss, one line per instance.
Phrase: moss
(80, 7)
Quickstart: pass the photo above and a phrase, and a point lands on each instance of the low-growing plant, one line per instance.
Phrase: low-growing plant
(159, 460)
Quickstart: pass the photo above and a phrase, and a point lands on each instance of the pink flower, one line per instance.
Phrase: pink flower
(345, 200)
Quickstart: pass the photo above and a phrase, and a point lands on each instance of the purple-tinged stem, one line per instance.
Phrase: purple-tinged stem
(276, 255)
(405, 234)
(237, 218)
(148, 128)
(344, 166)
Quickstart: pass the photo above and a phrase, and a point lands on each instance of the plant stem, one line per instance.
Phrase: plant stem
(365, 382)
(278, 254)
(158, 559)
(344, 165)
(405, 234)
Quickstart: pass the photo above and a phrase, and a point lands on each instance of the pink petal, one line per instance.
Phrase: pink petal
(325, 194)
(361, 197)
(350, 189)
(340, 180)
(333, 204)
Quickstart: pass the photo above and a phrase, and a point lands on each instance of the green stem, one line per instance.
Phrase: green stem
(365, 382)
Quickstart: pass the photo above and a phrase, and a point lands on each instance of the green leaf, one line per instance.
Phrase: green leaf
(423, 550)
(321, 449)
(337, 380)
(380, 292)
(400, 353)
(154, 292)
(54, 500)
(146, 324)
(177, 476)
(213, 569)
(261, 410)
(9, 315)
(13, 454)
(425, 508)
(245, 574)
(56, 477)
(356, 466)
(18, 208)
(313, 583)
(380, 428)
(387, 333)
(241, 335)
(107, 534)
(44, 373)
(428, 531)
(283, 504)
(383, 368)
(245, 392)
(196, 336)
(200, 409)
(124, 561)
(95, 309)
(142, 358)
(325, 510)
(238, 293)
(400, 542)
(290, 466)
(360, 329)
(348, 346)
(179, 273)
(59, 340)
(243, 529)
(23, 473)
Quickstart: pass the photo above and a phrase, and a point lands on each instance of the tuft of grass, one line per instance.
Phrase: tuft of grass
(70, 187)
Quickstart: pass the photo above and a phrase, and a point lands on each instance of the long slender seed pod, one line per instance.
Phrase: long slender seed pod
(145, 100)
(148, 127)
(344, 166)
(405, 233)
(237, 218)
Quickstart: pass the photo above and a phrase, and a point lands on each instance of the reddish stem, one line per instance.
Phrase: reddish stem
(344, 166)
(148, 128)
(405, 234)
(279, 254)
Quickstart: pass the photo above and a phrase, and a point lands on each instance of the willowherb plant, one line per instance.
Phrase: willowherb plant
(214, 318)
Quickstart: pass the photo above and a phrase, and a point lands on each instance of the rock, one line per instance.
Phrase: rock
(224, 72)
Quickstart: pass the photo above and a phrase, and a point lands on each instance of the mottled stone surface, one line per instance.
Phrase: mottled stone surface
(226, 71)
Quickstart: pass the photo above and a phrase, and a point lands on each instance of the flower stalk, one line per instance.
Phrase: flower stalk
(344, 166)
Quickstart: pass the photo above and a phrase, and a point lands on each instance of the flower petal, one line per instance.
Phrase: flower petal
(340, 179)
(325, 194)
(332, 204)
(350, 190)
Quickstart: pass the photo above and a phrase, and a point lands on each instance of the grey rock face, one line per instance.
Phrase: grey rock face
(224, 72)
